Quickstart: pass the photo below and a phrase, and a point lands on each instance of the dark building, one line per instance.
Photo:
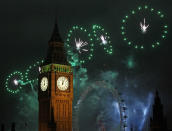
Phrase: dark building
(13, 127)
(158, 121)
(2, 127)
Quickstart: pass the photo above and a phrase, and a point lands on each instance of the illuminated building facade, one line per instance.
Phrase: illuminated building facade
(55, 93)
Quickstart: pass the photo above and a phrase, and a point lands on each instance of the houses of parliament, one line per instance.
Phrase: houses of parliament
(55, 93)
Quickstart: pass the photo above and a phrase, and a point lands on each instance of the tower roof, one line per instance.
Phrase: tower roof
(56, 51)
(55, 37)
(157, 99)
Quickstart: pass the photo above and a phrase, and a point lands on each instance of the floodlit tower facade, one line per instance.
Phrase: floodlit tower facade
(55, 91)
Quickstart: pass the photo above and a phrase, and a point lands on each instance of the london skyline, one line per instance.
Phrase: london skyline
(26, 28)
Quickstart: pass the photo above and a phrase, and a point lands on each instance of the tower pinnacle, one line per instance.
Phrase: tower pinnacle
(56, 51)
(56, 35)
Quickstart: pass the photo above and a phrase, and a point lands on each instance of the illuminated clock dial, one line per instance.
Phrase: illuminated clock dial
(44, 83)
(62, 83)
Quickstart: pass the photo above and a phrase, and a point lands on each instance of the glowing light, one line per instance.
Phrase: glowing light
(129, 43)
(163, 36)
(152, 9)
(103, 39)
(116, 106)
(123, 33)
(143, 26)
(16, 82)
(131, 63)
(39, 69)
(165, 26)
(123, 21)
(146, 6)
(139, 8)
(80, 44)
(145, 111)
(133, 12)
(157, 43)
(122, 27)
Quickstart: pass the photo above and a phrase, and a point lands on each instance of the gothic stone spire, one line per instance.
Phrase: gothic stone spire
(56, 52)
(56, 35)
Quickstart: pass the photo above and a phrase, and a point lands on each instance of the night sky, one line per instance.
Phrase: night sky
(26, 27)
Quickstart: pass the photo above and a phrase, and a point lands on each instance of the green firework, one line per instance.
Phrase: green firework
(9, 84)
(16, 80)
(135, 13)
(82, 54)
(102, 38)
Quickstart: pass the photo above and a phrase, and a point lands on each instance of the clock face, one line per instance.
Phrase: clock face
(62, 83)
(44, 83)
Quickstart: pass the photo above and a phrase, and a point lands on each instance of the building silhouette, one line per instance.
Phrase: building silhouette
(13, 127)
(158, 121)
(2, 127)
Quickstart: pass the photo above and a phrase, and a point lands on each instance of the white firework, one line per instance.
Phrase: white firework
(103, 39)
(80, 44)
(143, 26)
(39, 69)
(16, 82)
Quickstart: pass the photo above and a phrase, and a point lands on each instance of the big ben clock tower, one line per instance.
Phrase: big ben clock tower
(55, 93)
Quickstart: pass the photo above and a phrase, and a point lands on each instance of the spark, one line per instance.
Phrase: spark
(143, 26)
(145, 111)
(39, 69)
(80, 44)
(16, 82)
(116, 106)
(103, 39)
